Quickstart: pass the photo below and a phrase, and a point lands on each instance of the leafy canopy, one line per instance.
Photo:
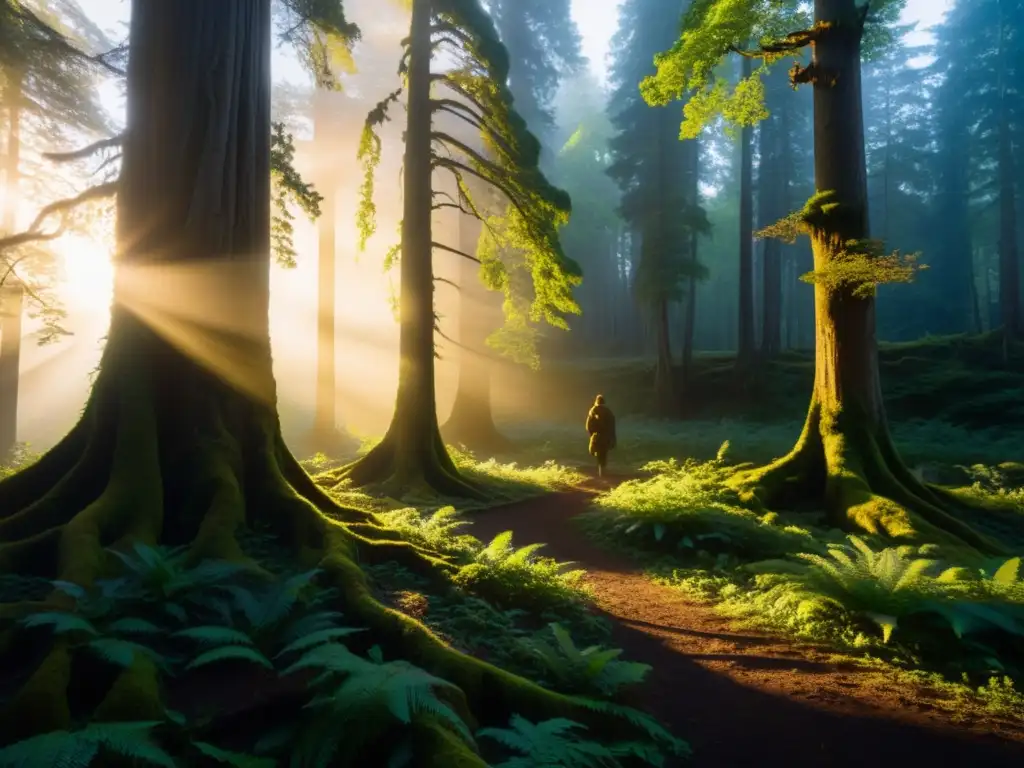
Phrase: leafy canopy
(770, 30)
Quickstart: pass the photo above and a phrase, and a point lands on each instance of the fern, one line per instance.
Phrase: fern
(230, 653)
(78, 749)
(558, 743)
(365, 694)
(589, 669)
(233, 759)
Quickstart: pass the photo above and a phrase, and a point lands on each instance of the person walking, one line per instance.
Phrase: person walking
(601, 428)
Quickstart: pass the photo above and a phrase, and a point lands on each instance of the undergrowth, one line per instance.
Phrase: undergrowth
(917, 607)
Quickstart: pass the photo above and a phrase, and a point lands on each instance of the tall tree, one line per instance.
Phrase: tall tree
(981, 50)
(543, 47)
(650, 166)
(474, 92)
(845, 455)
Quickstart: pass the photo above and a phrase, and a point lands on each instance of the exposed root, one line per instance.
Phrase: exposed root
(399, 470)
(863, 484)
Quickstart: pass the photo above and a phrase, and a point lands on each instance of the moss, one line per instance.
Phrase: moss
(135, 695)
(42, 704)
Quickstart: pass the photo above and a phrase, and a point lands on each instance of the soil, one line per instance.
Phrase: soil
(743, 698)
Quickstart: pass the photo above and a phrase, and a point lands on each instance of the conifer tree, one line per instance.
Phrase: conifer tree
(544, 48)
(475, 92)
(651, 167)
(845, 456)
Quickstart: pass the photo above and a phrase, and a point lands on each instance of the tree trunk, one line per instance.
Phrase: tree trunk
(412, 452)
(664, 379)
(12, 292)
(326, 436)
(1009, 264)
(746, 347)
(773, 183)
(471, 421)
(180, 441)
(845, 455)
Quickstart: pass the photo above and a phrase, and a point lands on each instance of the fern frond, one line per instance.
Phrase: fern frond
(60, 622)
(230, 653)
(233, 759)
(214, 635)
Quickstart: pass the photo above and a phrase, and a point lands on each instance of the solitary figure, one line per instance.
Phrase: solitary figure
(601, 428)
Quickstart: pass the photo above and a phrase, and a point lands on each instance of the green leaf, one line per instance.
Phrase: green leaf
(215, 635)
(234, 759)
(317, 638)
(60, 622)
(230, 653)
(135, 626)
(659, 531)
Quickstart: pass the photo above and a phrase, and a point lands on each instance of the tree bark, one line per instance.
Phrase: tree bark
(12, 292)
(746, 346)
(412, 451)
(845, 455)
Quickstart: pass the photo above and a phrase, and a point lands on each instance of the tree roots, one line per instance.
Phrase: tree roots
(863, 484)
(398, 470)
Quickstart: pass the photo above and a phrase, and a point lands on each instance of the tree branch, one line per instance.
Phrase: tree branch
(84, 152)
(445, 280)
(456, 251)
(59, 207)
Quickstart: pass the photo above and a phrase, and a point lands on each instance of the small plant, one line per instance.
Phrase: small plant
(558, 743)
(357, 702)
(517, 578)
(587, 670)
(893, 583)
(78, 749)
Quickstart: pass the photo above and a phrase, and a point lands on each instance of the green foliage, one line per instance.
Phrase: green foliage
(321, 35)
(509, 577)
(687, 510)
(557, 743)
(892, 584)
(588, 670)
(367, 696)
(527, 262)
(712, 29)
(78, 749)
(287, 188)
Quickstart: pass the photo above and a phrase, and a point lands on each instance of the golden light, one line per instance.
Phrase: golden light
(88, 273)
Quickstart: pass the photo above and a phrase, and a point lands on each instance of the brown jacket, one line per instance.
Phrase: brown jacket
(601, 428)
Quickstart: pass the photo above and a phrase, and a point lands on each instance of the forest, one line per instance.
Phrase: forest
(511, 383)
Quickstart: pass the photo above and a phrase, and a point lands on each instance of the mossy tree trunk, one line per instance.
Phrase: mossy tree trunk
(12, 292)
(472, 421)
(169, 449)
(412, 452)
(845, 455)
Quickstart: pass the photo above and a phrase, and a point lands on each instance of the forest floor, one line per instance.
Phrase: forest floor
(745, 698)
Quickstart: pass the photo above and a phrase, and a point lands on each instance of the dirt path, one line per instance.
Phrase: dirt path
(746, 699)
